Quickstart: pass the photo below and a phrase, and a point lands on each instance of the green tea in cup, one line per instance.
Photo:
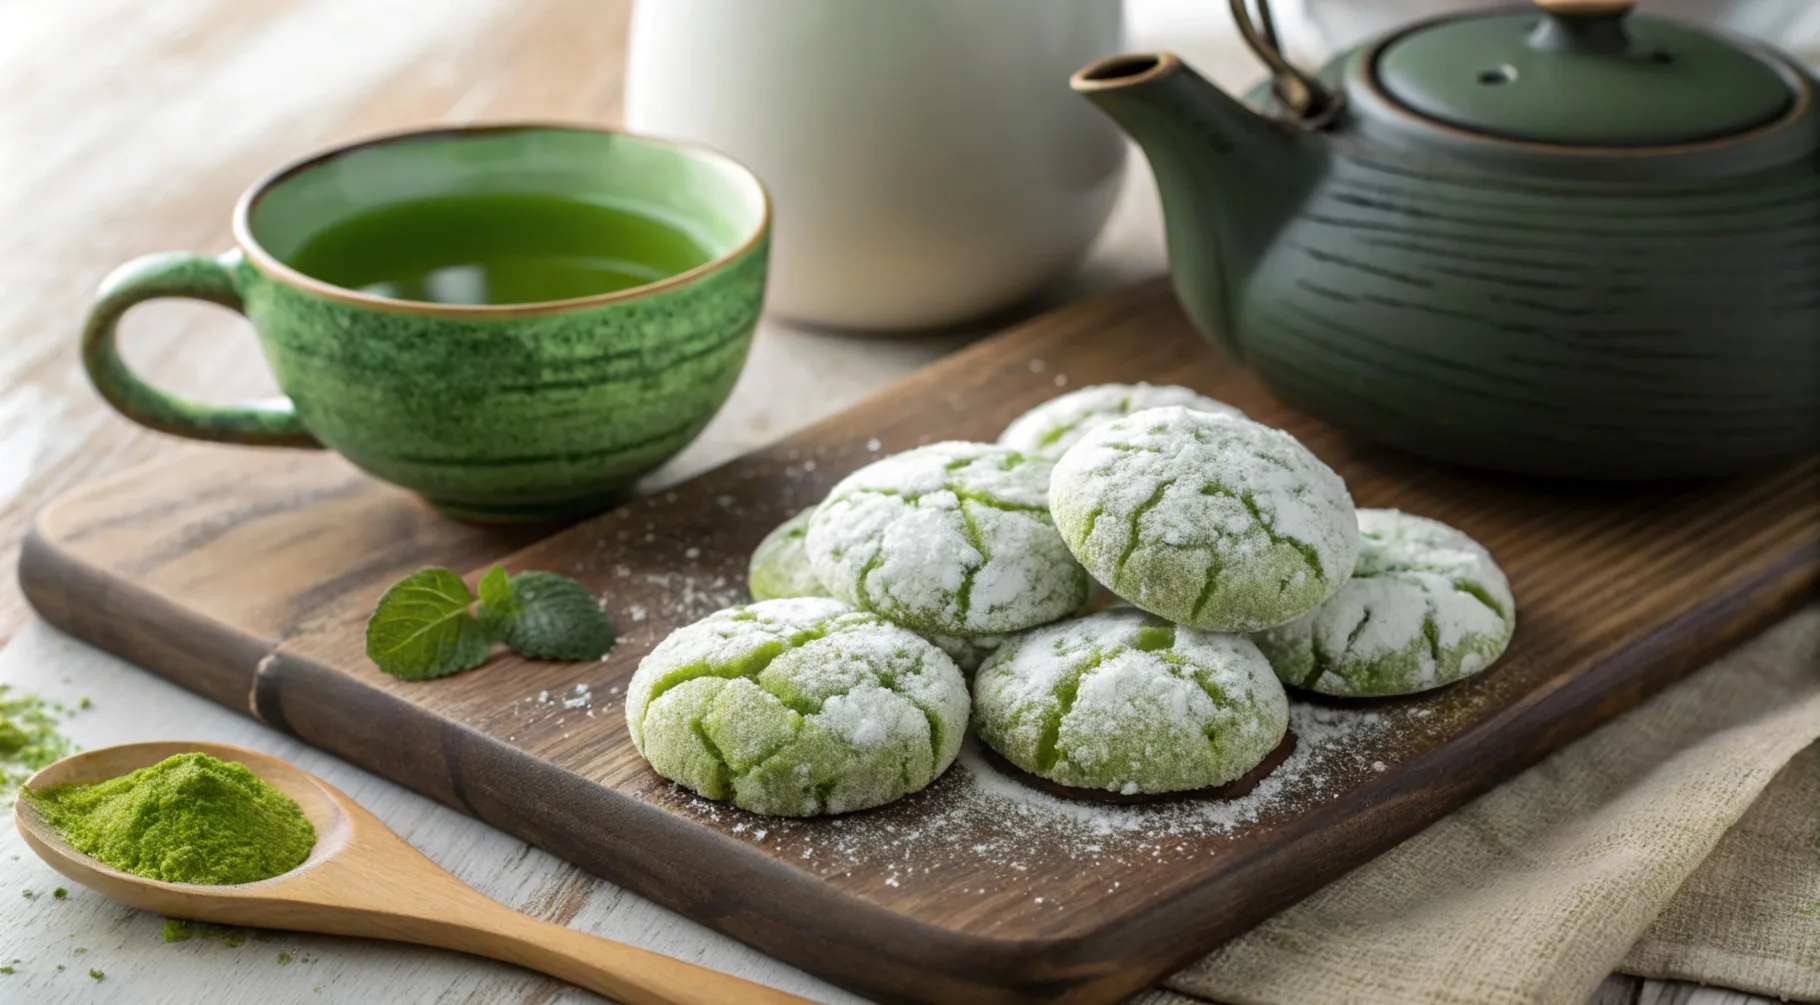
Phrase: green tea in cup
(509, 248)
(513, 321)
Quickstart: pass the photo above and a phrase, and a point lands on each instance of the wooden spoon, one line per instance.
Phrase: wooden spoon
(365, 881)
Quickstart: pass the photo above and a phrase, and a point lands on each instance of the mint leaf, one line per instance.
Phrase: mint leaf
(422, 629)
(552, 617)
(497, 604)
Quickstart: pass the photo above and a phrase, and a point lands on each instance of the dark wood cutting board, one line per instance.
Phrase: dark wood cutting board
(247, 575)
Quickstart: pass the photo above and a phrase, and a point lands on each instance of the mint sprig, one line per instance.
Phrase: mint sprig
(496, 601)
(421, 628)
(546, 616)
(427, 625)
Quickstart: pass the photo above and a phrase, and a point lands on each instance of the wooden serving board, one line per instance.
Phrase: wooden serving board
(247, 575)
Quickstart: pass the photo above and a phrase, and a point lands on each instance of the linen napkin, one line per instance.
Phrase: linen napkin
(1749, 917)
(1680, 840)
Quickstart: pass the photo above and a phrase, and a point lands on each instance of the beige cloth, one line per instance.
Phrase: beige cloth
(1656, 845)
(1749, 917)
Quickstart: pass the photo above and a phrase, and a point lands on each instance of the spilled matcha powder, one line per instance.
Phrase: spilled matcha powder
(180, 930)
(190, 818)
(28, 737)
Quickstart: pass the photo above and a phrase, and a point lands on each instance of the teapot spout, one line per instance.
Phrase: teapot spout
(1229, 177)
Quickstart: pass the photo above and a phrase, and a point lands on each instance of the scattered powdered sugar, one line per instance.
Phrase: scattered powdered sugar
(977, 814)
(1049, 429)
(1324, 738)
(686, 597)
(953, 539)
(1211, 521)
(557, 706)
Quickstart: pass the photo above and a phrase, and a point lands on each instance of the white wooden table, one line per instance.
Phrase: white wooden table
(128, 127)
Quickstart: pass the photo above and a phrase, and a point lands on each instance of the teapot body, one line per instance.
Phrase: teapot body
(1507, 308)
(1584, 330)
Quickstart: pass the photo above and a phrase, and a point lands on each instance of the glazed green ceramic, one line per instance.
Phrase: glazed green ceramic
(1570, 242)
(490, 411)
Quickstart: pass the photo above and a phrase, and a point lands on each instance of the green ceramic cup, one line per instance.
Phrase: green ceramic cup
(519, 411)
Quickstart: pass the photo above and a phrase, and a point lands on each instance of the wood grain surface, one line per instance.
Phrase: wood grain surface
(1620, 590)
(131, 131)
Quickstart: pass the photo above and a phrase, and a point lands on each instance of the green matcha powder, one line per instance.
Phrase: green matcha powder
(29, 739)
(190, 818)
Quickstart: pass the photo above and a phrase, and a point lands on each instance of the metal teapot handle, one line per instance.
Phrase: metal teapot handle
(1310, 103)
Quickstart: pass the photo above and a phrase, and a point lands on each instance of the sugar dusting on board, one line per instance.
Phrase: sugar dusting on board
(976, 813)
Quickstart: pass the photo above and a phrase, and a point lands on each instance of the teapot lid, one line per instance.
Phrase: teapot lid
(1582, 73)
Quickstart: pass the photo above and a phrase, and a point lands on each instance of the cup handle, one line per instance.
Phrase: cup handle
(271, 423)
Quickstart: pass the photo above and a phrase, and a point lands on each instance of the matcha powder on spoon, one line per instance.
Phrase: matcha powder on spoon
(191, 818)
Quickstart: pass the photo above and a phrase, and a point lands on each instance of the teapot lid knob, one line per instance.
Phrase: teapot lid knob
(1586, 8)
(1589, 26)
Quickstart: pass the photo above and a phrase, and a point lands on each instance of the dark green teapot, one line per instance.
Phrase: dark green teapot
(1560, 239)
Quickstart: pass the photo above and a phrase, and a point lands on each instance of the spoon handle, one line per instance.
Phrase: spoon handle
(623, 973)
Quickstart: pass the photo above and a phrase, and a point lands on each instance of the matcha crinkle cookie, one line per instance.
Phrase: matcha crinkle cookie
(948, 539)
(797, 707)
(1049, 429)
(1426, 606)
(1210, 521)
(1127, 702)
(780, 567)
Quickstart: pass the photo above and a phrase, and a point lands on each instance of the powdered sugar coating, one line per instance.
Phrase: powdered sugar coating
(780, 567)
(948, 539)
(1049, 429)
(1426, 606)
(797, 707)
(1210, 521)
(1128, 702)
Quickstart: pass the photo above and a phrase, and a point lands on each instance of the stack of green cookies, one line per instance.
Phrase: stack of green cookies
(1241, 554)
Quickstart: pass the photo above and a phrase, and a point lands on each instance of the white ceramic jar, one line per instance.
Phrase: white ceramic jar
(926, 158)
